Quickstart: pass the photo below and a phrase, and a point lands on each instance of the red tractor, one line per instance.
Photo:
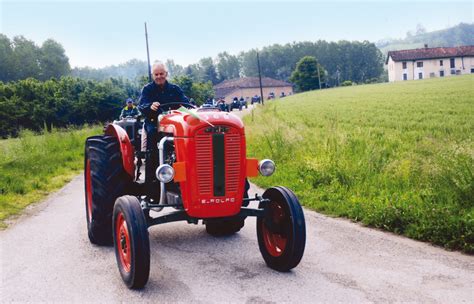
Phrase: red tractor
(201, 175)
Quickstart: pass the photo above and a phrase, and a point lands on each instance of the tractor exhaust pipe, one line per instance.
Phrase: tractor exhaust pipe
(161, 154)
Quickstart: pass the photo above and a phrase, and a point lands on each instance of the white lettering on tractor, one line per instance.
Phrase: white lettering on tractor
(218, 200)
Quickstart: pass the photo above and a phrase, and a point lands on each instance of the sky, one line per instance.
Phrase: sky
(102, 33)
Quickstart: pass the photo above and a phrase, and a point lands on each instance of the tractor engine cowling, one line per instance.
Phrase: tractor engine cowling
(214, 158)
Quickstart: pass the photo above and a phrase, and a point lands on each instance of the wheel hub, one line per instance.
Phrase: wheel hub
(123, 243)
(274, 228)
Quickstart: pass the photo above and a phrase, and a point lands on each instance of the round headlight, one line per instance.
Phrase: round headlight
(266, 167)
(165, 173)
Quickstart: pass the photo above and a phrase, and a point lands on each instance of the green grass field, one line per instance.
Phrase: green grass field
(32, 166)
(395, 156)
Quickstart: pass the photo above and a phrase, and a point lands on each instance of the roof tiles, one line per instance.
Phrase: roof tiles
(431, 53)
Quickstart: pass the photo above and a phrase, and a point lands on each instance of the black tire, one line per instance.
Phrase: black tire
(131, 242)
(229, 226)
(224, 227)
(281, 232)
(104, 180)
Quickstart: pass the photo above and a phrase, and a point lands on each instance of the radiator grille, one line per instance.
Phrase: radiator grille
(232, 162)
(204, 165)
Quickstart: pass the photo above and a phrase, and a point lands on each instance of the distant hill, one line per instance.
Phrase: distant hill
(461, 34)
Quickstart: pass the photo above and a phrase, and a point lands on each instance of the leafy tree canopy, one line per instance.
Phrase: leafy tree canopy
(308, 74)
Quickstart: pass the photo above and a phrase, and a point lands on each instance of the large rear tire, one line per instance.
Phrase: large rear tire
(131, 242)
(104, 180)
(224, 227)
(229, 226)
(281, 232)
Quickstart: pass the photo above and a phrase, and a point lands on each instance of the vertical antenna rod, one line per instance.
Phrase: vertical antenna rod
(260, 77)
(148, 54)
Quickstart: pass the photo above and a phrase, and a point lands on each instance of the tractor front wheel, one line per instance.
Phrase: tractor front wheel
(131, 242)
(281, 232)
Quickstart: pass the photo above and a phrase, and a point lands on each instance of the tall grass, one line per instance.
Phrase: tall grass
(33, 165)
(394, 156)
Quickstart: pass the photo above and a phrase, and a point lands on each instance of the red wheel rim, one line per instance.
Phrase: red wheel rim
(89, 190)
(274, 242)
(123, 242)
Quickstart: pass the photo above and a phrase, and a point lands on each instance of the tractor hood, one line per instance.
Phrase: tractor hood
(185, 124)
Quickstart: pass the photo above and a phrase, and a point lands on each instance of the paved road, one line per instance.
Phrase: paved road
(46, 256)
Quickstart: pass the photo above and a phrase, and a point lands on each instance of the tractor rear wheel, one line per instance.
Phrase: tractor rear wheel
(224, 227)
(281, 232)
(105, 180)
(131, 242)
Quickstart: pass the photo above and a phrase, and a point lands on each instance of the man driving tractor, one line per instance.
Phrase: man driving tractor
(154, 97)
(130, 110)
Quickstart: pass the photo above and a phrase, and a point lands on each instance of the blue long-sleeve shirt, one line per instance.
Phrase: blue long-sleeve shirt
(152, 92)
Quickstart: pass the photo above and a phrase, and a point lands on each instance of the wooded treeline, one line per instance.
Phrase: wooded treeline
(38, 105)
(21, 58)
(38, 89)
(356, 61)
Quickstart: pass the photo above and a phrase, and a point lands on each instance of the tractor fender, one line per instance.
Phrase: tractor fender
(126, 148)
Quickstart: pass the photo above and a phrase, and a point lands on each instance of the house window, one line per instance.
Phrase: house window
(441, 63)
(404, 76)
(453, 72)
(420, 75)
(472, 71)
(404, 65)
(451, 63)
(441, 73)
(419, 64)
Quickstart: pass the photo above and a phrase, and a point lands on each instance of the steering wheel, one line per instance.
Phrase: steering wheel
(175, 105)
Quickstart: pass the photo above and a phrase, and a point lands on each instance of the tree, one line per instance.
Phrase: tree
(208, 70)
(26, 58)
(201, 91)
(185, 83)
(6, 59)
(193, 72)
(228, 66)
(53, 60)
(33, 104)
(249, 63)
(174, 70)
(305, 76)
(133, 70)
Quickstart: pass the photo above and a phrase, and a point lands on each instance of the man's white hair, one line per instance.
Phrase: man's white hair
(160, 64)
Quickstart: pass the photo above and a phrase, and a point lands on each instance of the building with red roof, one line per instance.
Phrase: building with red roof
(430, 62)
(247, 87)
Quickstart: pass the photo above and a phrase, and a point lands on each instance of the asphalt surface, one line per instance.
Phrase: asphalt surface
(46, 256)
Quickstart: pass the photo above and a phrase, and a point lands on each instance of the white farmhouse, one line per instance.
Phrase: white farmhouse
(430, 62)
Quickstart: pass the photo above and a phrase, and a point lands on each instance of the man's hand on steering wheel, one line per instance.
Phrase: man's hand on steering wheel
(172, 105)
(154, 106)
